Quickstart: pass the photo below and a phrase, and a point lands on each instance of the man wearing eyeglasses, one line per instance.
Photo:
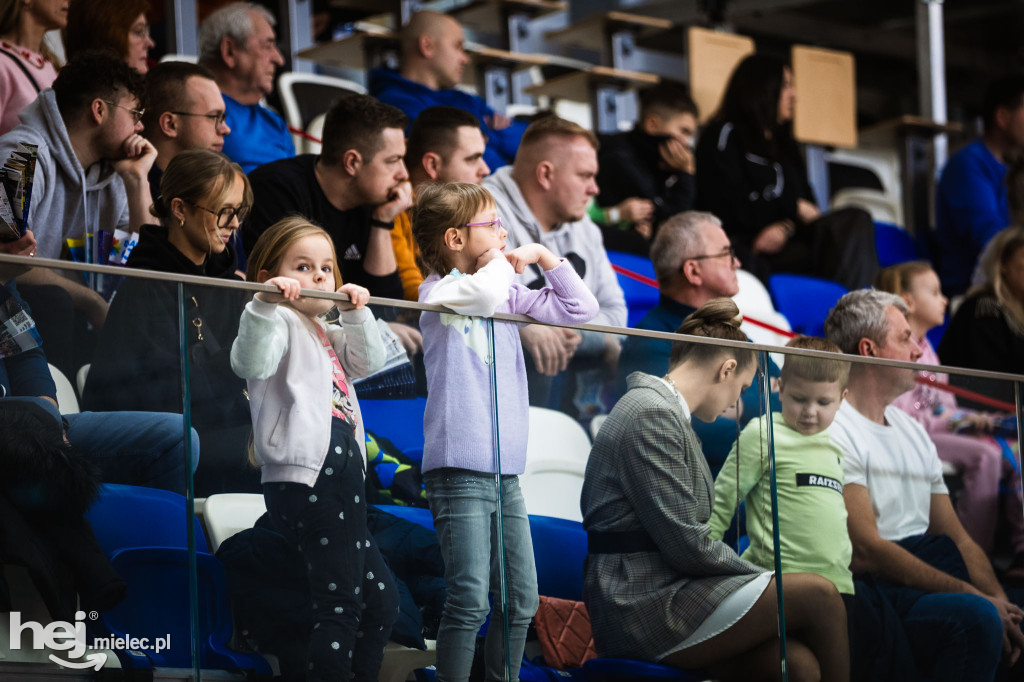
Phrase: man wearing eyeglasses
(92, 169)
(237, 43)
(184, 110)
(694, 263)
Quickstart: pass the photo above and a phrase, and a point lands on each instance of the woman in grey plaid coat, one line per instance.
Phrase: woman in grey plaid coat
(657, 587)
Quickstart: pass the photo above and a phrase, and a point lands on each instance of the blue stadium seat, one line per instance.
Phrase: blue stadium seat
(624, 670)
(805, 301)
(400, 421)
(894, 245)
(144, 533)
(640, 297)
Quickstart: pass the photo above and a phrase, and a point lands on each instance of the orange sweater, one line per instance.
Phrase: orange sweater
(406, 253)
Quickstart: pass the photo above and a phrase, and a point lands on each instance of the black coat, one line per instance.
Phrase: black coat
(630, 166)
(748, 191)
(137, 364)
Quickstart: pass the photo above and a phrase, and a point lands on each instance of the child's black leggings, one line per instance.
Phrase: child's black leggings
(354, 597)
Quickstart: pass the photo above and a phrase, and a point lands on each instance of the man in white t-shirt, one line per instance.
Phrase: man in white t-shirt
(902, 524)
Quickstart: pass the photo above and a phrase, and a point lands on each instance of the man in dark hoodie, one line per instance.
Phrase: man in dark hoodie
(433, 57)
(654, 161)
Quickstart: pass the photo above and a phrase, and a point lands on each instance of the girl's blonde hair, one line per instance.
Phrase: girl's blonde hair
(275, 241)
(719, 318)
(1000, 250)
(440, 206)
(198, 176)
(897, 279)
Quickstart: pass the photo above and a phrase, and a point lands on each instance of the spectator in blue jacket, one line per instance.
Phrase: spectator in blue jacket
(970, 203)
(238, 43)
(433, 57)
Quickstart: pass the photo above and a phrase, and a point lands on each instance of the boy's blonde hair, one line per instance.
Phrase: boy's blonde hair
(440, 206)
(815, 369)
(275, 241)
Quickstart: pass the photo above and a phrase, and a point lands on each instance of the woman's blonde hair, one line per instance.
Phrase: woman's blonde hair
(275, 241)
(440, 206)
(198, 176)
(897, 279)
(1000, 250)
(719, 318)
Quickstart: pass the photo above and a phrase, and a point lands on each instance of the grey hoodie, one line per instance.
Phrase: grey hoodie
(66, 201)
(582, 238)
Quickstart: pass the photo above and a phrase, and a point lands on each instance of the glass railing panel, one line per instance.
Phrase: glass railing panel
(104, 498)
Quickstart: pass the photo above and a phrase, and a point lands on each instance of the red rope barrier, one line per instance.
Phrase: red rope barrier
(929, 381)
(303, 134)
(965, 393)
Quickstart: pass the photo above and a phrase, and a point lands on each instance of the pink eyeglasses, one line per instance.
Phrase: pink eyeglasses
(493, 224)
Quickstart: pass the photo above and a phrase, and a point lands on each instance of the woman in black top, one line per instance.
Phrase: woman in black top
(751, 175)
(204, 197)
(987, 331)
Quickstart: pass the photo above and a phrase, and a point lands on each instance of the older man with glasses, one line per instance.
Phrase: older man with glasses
(694, 262)
(184, 111)
(238, 44)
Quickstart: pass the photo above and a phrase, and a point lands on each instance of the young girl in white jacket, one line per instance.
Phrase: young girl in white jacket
(307, 440)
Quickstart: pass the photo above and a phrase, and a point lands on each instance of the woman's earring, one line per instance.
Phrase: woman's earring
(181, 223)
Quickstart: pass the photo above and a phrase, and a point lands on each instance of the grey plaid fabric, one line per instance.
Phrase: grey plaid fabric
(647, 471)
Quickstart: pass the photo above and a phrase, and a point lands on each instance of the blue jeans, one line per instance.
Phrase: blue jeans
(464, 505)
(952, 636)
(968, 630)
(135, 448)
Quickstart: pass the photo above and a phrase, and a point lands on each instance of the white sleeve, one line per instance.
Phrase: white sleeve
(261, 342)
(358, 343)
(853, 464)
(478, 294)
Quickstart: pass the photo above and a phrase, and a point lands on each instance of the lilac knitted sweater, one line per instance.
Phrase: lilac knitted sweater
(457, 424)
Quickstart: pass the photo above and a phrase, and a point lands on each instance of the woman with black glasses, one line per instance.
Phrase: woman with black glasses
(203, 200)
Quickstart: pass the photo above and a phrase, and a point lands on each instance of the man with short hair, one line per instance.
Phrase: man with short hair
(92, 169)
(694, 263)
(237, 43)
(355, 189)
(970, 200)
(444, 145)
(902, 525)
(184, 110)
(652, 162)
(543, 198)
(433, 58)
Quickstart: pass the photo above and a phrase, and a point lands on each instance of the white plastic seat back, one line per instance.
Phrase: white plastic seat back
(755, 302)
(67, 401)
(228, 513)
(81, 378)
(556, 458)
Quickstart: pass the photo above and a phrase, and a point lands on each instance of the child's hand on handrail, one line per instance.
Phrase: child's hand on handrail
(288, 286)
(357, 295)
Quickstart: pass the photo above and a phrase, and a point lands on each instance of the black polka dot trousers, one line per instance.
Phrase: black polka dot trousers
(354, 597)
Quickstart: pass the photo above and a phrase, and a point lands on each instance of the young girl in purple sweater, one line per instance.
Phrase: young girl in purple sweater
(462, 244)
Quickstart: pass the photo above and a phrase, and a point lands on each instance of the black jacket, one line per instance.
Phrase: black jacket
(748, 191)
(137, 364)
(630, 166)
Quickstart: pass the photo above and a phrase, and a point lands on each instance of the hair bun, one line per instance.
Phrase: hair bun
(719, 311)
